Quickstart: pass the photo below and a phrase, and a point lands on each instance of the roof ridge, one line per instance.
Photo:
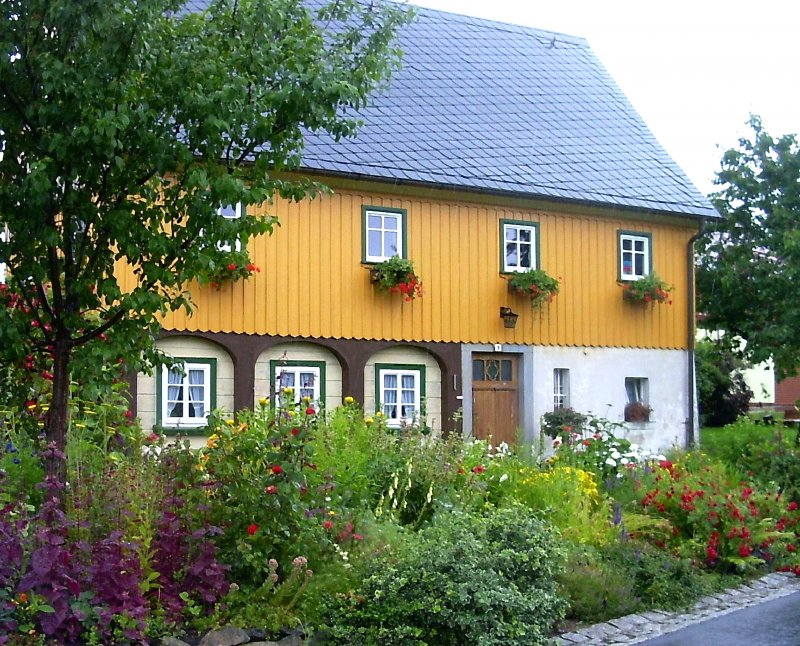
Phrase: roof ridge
(500, 25)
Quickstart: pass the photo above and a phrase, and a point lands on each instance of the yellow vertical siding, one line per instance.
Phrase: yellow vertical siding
(312, 282)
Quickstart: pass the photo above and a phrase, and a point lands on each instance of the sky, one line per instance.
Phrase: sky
(694, 69)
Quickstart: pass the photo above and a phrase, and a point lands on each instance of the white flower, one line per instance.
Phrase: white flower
(504, 477)
(610, 462)
(616, 454)
(624, 461)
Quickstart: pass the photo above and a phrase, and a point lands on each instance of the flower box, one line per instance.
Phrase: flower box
(536, 284)
(396, 276)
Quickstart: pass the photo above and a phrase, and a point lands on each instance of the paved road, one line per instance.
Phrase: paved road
(773, 623)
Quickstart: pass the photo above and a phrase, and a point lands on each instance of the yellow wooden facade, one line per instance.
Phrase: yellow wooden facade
(313, 284)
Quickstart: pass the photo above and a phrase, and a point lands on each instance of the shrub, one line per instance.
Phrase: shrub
(467, 579)
(722, 390)
(562, 423)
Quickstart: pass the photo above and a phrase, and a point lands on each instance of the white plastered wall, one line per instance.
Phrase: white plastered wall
(300, 352)
(190, 347)
(433, 380)
(597, 386)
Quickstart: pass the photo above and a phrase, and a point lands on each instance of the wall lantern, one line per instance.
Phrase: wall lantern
(509, 317)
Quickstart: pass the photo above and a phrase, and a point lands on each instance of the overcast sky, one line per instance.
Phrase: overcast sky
(694, 69)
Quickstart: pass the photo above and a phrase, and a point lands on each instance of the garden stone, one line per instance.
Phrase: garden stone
(172, 641)
(227, 636)
(291, 640)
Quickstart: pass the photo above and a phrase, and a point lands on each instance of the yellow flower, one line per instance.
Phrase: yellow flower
(212, 440)
(230, 422)
(369, 421)
(379, 414)
(348, 400)
(307, 400)
(288, 390)
(263, 401)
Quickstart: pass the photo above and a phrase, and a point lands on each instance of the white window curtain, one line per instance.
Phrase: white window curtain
(408, 410)
(390, 397)
(196, 394)
(174, 394)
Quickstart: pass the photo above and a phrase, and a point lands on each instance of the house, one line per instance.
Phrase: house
(497, 148)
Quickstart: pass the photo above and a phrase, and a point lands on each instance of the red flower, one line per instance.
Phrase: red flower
(310, 411)
(478, 468)
(47, 375)
(745, 550)
(277, 469)
(272, 489)
(252, 529)
(328, 524)
(251, 267)
(358, 537)
(233, 267)
(790, 548)
(792, 506)
(295, 431)
(665, 464)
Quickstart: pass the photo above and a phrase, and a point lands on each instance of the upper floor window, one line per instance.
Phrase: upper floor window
(635, 255)
(384, 233)
(560, 388)
(187, 393)
(231, 212)
(520, 245)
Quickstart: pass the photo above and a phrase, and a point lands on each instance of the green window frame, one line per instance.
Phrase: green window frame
(384, 233)
(297, 369)
(518, 238)
(175, 391)
(391, 390)
(634, 255)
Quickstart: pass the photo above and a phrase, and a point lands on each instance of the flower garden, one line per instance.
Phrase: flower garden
(291, 521)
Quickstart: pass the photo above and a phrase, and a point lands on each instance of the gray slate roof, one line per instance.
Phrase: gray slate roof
(488, 106)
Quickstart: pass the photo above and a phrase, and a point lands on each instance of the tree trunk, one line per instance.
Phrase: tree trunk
(58, 416)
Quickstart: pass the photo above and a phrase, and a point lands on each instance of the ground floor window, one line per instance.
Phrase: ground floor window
(297, 380)
(560, 388)
(399, 391)
(187, 393)
(637, 408)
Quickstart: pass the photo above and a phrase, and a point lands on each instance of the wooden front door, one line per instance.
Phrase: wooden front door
(495, 400)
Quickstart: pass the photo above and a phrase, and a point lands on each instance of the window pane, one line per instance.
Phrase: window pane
(639, 245)
(505, 370)
(391, 222)
(525, 235)
(477, 370)
(374, 222)
(525, 259)
(640, 270)
(286, 379)
(374, 242)
(390, 246)
(511, 233)
(228, 211)
(511, 254)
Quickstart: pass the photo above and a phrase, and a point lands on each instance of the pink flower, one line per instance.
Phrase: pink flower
(271, 489)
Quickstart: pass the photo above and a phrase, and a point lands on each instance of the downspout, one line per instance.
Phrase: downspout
(690, 369)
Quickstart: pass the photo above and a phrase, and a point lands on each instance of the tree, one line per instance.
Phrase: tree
(125, 125)
(749, 274)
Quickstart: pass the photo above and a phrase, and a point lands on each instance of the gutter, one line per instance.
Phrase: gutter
(691, 427)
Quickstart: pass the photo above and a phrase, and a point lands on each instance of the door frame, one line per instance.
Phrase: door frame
(524, 354)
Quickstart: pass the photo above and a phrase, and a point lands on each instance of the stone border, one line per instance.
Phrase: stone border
(633, 629)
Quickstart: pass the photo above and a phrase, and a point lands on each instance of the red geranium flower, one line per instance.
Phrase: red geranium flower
(328, 524)
(277, 469)
(295, 431)
(792, 506)
(479, 468)
(272, 489)
(310, 411)
(233, 267)
(252, 529)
